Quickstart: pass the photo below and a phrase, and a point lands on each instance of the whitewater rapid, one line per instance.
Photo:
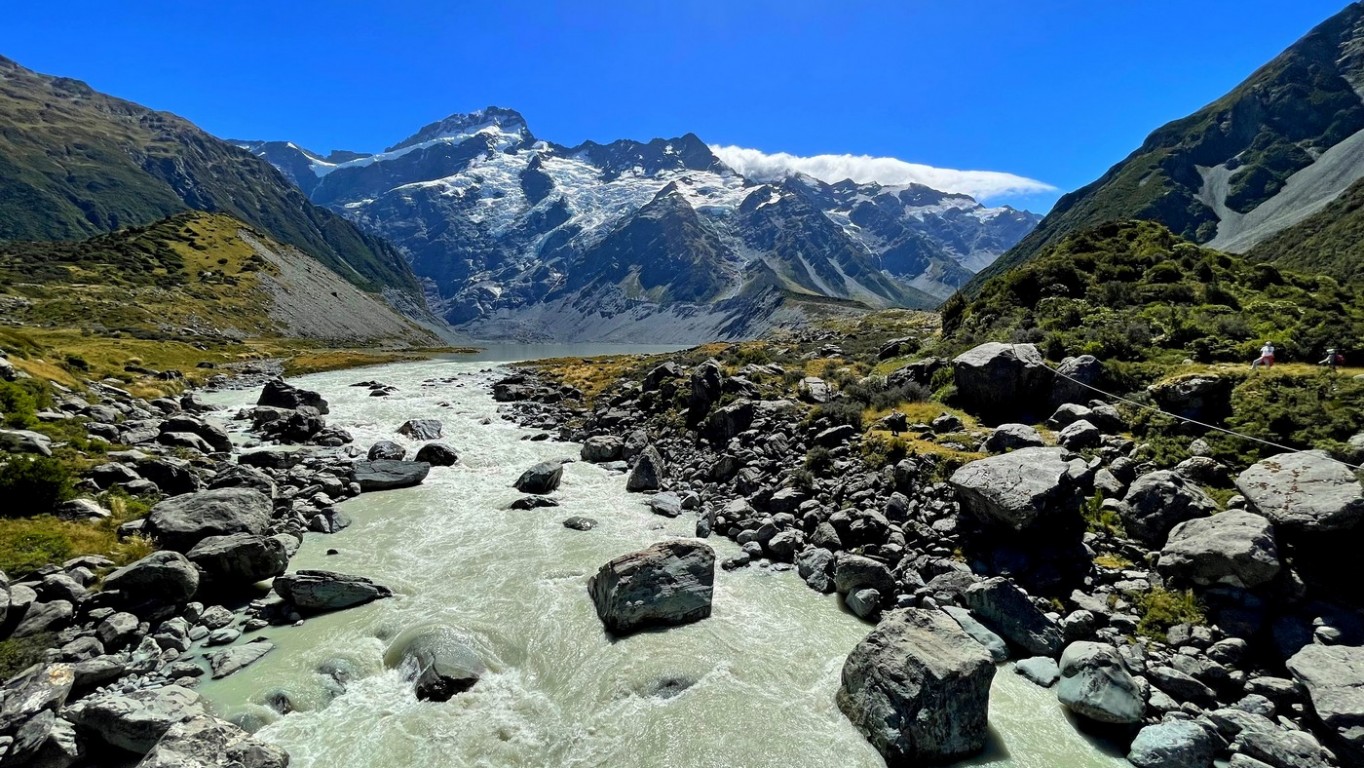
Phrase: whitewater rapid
(752, 686)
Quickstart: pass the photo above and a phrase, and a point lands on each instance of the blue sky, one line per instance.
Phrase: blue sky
(1052, 90)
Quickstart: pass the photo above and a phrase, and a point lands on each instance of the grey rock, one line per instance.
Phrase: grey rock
(813, 389)
(327, 590)
(437, 455)
(81, 510)
(117, 630)
(1095, 684)
(1158, 501)
(278, 394)
(386, 475)
(1235, 548)
(1001, 379)
(40, 688)
(237, 658)
(665, 504)
(1304, 492)
(204, 741)
(25, 441)
(49, 616)
(1334, 678)
(994, 644)
(163, 577)
(240, 559)
(602, 448)
(864, 602)
(386, 449)
(1011, 437)
(648, 472)
(1079, 436)
(580, 523)
(1172, 744)
(1041, 670)
(853, 572)
(542, 478)
(667, 584)
(1007, 610)
(440, 661)
(421, 429)
(918, 688)
(135, 721)
(181, 522)
(813, 565)
(1016, 490)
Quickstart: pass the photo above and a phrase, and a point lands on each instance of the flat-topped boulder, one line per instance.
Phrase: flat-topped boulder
(161, 577)
(1015, 490)
(1334, 678)
(387, 474)
(181, 522)
(664, 585)
(327, 590)
(1235, 548)
(918, 687)
(1304, 492)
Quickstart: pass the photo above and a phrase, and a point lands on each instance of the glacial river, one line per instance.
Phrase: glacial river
(764, 667)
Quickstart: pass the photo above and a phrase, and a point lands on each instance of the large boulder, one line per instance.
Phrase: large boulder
(1076, 376)
(238, 657)
(1005, 609)
(1234, 548)
(386, 450)
(1158, 501)
(918, 688)
(40, 688)
(327, 590)
(542, 478)
(240, 559)
(1011, 437)
(648, 472)
(1305, 492)
(216, 437)
(602, 448)
(667, 584)
(813, 389)
(180, 522)
(421, 429)
(707, 383)
(204, 741)
(25, 441)
(1095, 684)
(163, 577)
(386, 475)
(135, 721)
(997, 379)
(438, 455)
(279, 394)
(725, 422)
(1334, 678)
(1173, 744)
(1201, 397)
(1018, 489)
(440, 661)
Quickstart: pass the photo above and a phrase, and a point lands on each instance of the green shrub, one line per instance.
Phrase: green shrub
(1163, 608)
(839, 412)
(819, 460)
(19, 402)
(32, 485)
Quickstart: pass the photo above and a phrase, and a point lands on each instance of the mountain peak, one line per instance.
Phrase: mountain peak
(461, 125)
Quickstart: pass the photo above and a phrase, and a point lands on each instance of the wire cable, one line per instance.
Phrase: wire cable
(1144, 406)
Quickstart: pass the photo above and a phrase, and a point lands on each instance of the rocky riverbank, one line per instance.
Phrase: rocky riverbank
(120, 650)
(1195, 612)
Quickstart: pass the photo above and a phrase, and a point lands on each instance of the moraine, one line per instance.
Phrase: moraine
(753, 685)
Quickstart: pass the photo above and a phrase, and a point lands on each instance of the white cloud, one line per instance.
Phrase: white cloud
(890, 171)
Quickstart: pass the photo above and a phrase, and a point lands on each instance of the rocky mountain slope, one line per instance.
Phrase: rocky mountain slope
(516, 236)
(75, 162)
(1275, 151)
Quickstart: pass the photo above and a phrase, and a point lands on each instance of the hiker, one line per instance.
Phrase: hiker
(1334, 358)
(1266, 357)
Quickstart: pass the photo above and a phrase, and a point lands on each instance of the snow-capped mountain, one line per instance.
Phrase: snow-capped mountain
(518, 237)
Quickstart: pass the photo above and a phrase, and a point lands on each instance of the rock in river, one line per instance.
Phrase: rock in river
(204, 741)
(384, 475)
(327, 590)
(918, 688)
(667, 584)
(1096, 684)
(1005, 609)
(441, 662)
(279, 394)
(421, 429)
(541, 479)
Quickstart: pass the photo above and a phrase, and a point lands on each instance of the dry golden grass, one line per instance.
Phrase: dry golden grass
(592, 375)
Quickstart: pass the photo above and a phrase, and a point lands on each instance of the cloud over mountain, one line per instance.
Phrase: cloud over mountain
(890, 171)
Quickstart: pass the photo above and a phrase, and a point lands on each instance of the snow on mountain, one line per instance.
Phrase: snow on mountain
(498, 223)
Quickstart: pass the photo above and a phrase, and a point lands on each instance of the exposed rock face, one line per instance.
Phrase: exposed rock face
(1334, 678)
(667, 584)
(1096, 684)
(240, 559)
(161, 577)
(1004, 608)
(1016, 490)
(279, 394)
(918, 687)
(1200, 397)
(813, 389)
(1304, 492)
(1158, 501)
(1001, 379)
(421, 429)
(327, 590)
(386, 475)
(25, 441)
(647, 474)
(180, 522)
(541, 479)
(204, 741)
(135, 721)
(1234, 548)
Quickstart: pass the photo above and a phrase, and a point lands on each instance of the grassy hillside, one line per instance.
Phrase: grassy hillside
(1270, 126)
(75, 162)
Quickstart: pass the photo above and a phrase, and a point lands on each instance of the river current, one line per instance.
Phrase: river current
(750, 687)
